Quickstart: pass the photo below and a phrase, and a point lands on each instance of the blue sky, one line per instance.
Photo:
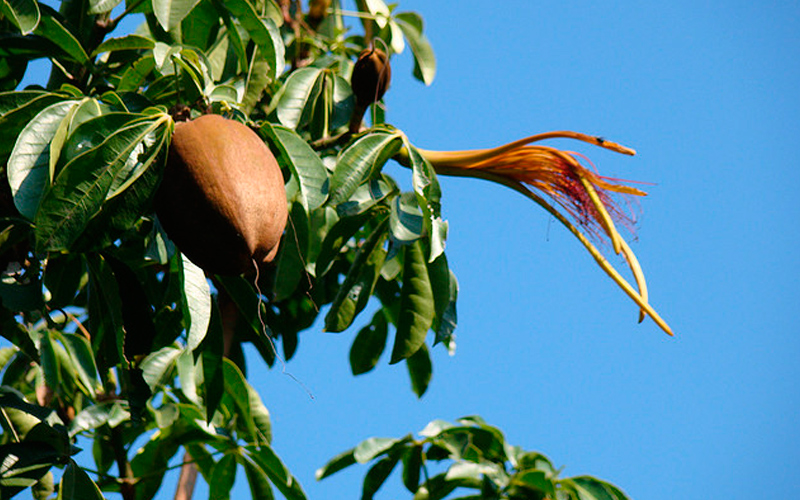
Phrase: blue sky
(549, 348)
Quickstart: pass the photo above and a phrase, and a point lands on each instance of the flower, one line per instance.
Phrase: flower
(589, 199)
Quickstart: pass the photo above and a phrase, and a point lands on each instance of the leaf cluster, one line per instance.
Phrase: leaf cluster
(480, 464)
(124, 343)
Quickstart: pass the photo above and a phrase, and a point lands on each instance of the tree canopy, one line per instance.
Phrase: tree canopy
(120, 341)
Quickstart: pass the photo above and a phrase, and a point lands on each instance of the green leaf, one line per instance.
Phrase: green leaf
(256, 479)
(420, 369)
(369, 344)
(127, 42)
(24, 464)
(23, 13)
(17, 108)
(197, 295)
(94, 172)
(157, 368)
(50, 361)
(591, 488)
(222, 477)
(377, 475)
(295, 95)
(268, 461)
(170, 13)
(29, 164)
(307, 168)
(44, 488)
(416, 305)
(80, 352)
(406, 221)
(372, 448)
(412, 462)
(428, 192)
(360, 281)
(237, 388)
(360, 162)
(213, 382)
(535, 479)
(263, 32)
(91, 418)
(53, 30)
(77, 485)
(101, 6)
(260, 417)
(291, 256)
(136, 74)
(337, 463)
(424, 59)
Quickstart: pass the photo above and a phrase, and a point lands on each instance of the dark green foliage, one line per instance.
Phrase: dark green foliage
(119, 339)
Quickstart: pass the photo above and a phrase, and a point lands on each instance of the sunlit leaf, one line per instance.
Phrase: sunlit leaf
(29, 164)
(157, 368)
(295, 95)
(170, 13)
(127, 42)
(360, 162)
(198, 303)
(100, 6)
(80, 352)
(372, 448)
(23, 13)
(424, 58)
(305, 164)
(94, 164)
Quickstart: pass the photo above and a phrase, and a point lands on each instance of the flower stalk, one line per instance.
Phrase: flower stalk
(583, 195)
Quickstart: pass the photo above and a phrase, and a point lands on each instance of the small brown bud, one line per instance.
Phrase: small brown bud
(372, 74)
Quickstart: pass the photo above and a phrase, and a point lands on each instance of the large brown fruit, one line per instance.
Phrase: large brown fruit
(222, 199)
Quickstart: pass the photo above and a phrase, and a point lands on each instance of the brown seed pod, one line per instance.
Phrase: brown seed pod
(222, 200)
(372, 74)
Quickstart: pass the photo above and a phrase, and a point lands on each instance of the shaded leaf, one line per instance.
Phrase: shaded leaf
(377, 475)
(360, 281)
(222, 477)
(337, 463)
(268, 461)
(416, 305)
(420, 369)
(369, 344)
(50, 28)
